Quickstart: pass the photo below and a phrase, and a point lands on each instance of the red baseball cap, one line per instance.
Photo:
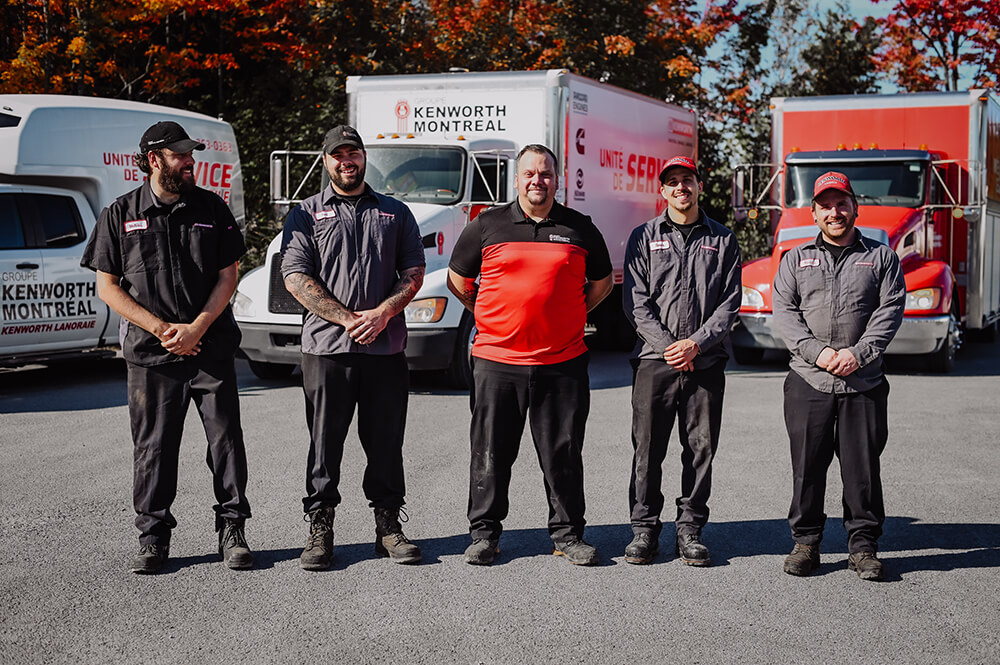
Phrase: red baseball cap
(683, 162)
(832, 180)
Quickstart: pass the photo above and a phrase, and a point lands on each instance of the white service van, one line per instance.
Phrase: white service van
(445, 145)
(62, 160)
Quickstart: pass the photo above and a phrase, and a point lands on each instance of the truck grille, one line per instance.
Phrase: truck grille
(280, 301)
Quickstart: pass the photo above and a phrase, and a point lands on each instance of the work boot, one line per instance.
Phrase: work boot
(803, 560)
(389, 538)
(482, 551)
(150, 558)
(576, 551)
(643, 548)
(233, 545)
(691, 551)
(866, 564)
(318, 554)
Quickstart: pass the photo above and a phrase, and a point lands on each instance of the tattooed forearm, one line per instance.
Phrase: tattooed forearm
(405, 288)
(317, 299)
(464, 288)
(467, 295)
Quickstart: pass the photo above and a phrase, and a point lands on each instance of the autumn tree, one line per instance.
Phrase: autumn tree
(934, 44)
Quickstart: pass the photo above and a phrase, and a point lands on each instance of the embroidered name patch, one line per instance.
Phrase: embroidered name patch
(136, 225)
(203, 226)
(710, 248)
(556, 238)
(865, 263)
(808, 263)
(324, 214)
(658, 245)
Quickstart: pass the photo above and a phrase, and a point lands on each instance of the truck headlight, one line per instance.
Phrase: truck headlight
(243, 306)
(928, 298)
(752, 299)
(426, 310)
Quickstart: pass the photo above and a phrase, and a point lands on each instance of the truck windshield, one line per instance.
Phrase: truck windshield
(886, 183)
(417, 174)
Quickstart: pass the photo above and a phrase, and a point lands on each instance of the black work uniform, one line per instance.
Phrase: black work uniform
(679, 283)
(853, 302)
(356, 249)
(529, 359)
(169, 258)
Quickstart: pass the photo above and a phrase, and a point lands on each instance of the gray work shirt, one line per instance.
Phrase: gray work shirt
(357, 252)
(676, 289)
(855, 303)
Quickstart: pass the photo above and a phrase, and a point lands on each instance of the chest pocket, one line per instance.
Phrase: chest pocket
(203, 243)
(144, 251)
(381, 233)
(860, 288)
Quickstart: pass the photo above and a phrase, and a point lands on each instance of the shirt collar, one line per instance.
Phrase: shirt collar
(330, 195)
(148, 200)
(667, 223)
(518, 216)
(819, 243)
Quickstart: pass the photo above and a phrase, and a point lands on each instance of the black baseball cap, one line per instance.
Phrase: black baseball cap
(168, 134)
(342, 135)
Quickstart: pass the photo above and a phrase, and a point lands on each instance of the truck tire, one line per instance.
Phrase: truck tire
(264, 370)
(460, 370)
(942, 361)
(748, 355)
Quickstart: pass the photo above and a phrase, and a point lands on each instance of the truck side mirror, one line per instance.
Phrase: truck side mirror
(277, 191)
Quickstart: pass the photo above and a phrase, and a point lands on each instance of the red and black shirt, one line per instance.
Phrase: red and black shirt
(530, 309)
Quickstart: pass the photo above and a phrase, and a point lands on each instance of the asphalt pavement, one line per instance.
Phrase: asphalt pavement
(66, 538)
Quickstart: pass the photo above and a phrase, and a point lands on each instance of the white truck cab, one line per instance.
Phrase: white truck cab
(62, 160)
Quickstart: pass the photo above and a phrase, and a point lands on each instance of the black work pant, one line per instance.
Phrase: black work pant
(852, 426)
(158, 399)
(659, 395)
(379, 386)
(556, 400)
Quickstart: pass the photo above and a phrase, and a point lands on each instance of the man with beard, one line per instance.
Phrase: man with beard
(682, 294)
(165, 256)
(542, 267)
(354, 259)
(838, 302)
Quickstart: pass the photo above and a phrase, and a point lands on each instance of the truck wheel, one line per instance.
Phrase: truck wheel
(460, 370)
(264, 370)
(942, 361)
(748, 355)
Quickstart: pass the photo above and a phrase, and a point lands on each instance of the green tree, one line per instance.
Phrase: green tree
(840, 58)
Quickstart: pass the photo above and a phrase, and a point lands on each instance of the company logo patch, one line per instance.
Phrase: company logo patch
(710, 248)
(136, 225)
(324, 214)
(809, 263)
(658, 245)
(865, 263)
(556, 238)
(386, 216)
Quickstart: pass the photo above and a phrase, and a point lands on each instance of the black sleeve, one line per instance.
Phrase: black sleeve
(467, 257)
(103, 251)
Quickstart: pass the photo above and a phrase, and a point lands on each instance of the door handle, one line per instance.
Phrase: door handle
(27, 266)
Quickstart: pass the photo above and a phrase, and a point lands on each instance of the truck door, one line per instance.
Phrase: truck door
(58, 309)
(20, 266)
